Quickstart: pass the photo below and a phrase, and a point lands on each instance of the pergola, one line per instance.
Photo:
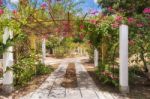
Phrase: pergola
(47, 27)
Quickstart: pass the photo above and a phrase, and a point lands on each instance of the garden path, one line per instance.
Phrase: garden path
(52, 89)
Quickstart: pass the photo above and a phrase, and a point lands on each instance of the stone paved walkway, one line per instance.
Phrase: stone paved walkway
(51, 88)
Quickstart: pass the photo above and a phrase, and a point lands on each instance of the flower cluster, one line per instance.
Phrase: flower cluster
(81, 26)
(146, 11)
(115, 25)
(118, 18)
(139, 25)
(109, 9)
(14, 12)
(117, 22)
(1, 11)
(93, 21)
(131, 20)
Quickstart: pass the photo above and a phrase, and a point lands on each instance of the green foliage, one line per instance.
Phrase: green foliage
(52, 42)
(1, 72)
(26, 69)
(108, 75)
(126, 7)
(64, 48)
(42, 69)
(60, 51)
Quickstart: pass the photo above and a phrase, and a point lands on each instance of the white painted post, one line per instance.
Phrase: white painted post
(95, 57)
(7, 62)
(43, 50)
(81, 51)
(78, 50)
(123, 51)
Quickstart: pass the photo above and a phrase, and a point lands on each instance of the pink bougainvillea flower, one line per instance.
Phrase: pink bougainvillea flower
(115, 25)
(109, 9)
(44, 5)
(139, 25)
(93, 21)
(146, 11)
(14, 11)
(119, 18)
(81, 26)
(131, 20)
(1, 11)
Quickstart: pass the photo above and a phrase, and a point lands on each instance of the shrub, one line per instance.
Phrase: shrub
(108, 76)
(60, 52)
(26, 69)
(42, 69)
(23, 71)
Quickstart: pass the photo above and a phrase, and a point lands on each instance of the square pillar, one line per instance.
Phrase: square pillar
(95, 57)
(7, 63)
(123, 59)
(43, 50)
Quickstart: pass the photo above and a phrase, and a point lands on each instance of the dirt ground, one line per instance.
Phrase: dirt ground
(70, 80)
(138, 90)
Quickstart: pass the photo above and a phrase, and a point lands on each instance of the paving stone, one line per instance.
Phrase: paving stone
(73, 93)
(52, 89)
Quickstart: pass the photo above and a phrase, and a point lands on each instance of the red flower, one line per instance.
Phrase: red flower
(1, 11)
(139, 25)
(81, 26)
(93, 21)
(109, 9)
(119, 18)
(146, 11)
(131, 20)
(115, 25)
(14, 11)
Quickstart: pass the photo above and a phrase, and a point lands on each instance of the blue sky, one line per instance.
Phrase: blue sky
(90, 4)
(87, 5)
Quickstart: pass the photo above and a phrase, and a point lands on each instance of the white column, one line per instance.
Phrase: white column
(95, 57)
(78, 50)
(7, 63)
(81, 51)
(123, 51)
(43, 50)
